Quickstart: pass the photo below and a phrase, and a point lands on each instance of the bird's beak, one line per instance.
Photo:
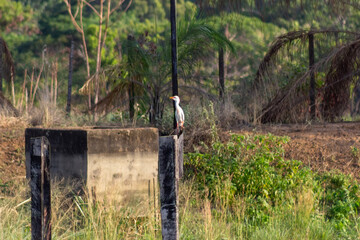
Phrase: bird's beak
(171, 97)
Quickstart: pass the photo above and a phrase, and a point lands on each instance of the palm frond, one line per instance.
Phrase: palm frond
(340, 65)
(197, 31)
(112, 99)
(343, 64)
(87, 87)
(285, 41)
(195, 40)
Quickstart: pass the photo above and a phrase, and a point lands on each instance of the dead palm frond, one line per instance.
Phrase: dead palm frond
(7, 67)
(344, 63)
(286, 41)
(291, 102)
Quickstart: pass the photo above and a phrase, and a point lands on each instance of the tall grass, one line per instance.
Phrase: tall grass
(77, 216)
(254, 193)
(241, 189)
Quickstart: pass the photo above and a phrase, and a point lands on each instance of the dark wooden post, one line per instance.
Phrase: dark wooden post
(40, 188)
(35, 185)
(170, 160)
(180, 154)
(173, 52)
(312, 76)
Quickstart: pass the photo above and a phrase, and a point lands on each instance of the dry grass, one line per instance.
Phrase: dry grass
(7, 122)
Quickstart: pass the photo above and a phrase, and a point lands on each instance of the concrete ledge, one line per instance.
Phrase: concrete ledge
(113, 163)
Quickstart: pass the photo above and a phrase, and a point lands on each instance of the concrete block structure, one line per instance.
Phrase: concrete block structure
(113, 163)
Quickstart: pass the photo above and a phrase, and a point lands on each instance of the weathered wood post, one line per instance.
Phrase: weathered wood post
(170, 169)
(180, 154)
(40, 188)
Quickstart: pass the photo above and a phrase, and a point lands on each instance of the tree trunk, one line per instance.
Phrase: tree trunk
(155, 111)
(131, 92)
(221, 74)
(312, 76)
(68, 104)
(98, 58)
(1, 68)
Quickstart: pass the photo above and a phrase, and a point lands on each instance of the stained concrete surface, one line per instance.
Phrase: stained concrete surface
(120, 164)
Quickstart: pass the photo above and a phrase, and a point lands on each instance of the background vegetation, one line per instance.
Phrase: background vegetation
(243, 188)
(38, 36)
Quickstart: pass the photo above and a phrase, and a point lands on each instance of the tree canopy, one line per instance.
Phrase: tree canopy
(250, 29)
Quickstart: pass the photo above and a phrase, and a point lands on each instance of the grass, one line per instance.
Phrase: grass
(79, 217)
(241, 189)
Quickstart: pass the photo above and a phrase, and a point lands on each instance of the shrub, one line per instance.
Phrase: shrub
(339, 196)
(252, 169)
(257, 170)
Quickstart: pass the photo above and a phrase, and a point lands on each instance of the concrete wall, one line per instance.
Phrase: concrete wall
(68, 152)
(125, 164)
(113, 163)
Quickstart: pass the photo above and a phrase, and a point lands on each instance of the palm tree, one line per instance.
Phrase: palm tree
(147, 68)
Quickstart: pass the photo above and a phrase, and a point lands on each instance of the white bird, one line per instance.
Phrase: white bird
(179, 114)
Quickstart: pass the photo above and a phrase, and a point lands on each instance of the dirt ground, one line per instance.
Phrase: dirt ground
(323, 147)
(12, 149)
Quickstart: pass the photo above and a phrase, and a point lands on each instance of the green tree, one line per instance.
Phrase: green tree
(148, 65)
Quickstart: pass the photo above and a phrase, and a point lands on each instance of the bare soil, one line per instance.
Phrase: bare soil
(12, 149)
(323, 147)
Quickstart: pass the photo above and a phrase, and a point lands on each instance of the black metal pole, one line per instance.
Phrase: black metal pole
(173, 51)
(312, 76)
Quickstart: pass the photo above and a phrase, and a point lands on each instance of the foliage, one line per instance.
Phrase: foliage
(257, 170)
(146, 64)
(340, 197)
(27, 26)
(253, 168)
(15, 16)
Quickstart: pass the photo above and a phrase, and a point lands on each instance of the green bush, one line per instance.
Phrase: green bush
(253, 168)
(339, 196)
